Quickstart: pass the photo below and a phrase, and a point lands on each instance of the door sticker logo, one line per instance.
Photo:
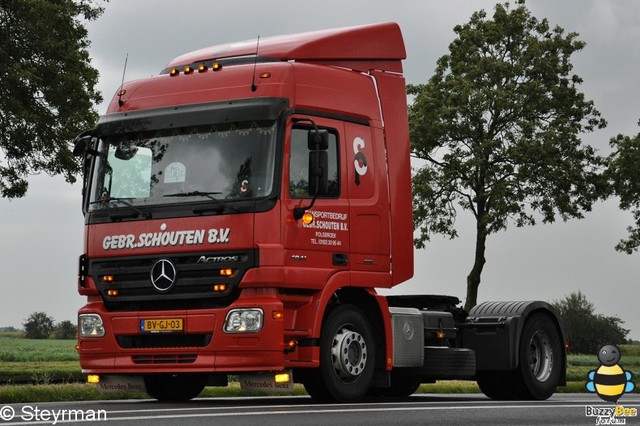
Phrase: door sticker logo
(360, 160)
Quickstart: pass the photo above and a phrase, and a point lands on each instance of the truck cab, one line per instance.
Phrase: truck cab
(242, 207)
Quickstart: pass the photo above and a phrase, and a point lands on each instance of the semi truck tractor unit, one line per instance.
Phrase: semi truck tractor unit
(244, 207)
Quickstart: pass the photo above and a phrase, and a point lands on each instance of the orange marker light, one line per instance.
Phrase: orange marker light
(113, 292)
(216, 66)
(202, 68)
(265, 75)
(188, 70)
(220, 287)
(307, 218)
(226, 272)
(277, 315)
(108, 278)
(174, 72)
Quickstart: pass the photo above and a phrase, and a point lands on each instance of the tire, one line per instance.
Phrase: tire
(541, 360)
(497, 385)
(402, 385)
(540, 364)
(175, 387)
(347, 358)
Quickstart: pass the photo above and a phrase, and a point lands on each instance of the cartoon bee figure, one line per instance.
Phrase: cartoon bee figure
(610, 381)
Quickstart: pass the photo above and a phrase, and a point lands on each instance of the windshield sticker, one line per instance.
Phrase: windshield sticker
(175, 173)
(190, 237)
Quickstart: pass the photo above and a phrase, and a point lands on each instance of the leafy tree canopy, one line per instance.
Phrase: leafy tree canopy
(47, 88)
(498, 126)
(65, 330)
(39, 325)
(586, 330)
(624, 175)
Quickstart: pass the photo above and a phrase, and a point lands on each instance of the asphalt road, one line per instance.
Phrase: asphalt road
(561, 409)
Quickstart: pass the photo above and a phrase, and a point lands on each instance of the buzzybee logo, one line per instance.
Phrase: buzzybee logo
(610, 381)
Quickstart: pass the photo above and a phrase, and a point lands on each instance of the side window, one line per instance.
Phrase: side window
(299, 166)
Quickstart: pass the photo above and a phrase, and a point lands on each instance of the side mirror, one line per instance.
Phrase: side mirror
(318, 176)
(318, 140)
(81, 146)
(318, 144)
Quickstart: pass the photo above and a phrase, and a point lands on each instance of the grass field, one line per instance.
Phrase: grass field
(48, 370)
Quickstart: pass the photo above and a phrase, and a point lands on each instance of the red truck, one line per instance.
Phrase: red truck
(241, 209)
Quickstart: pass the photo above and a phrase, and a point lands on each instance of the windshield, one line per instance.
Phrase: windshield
(226, 162)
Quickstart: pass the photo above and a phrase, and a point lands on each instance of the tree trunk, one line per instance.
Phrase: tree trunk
(473, 279)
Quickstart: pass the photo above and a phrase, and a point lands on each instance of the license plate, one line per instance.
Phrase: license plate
(161, 325)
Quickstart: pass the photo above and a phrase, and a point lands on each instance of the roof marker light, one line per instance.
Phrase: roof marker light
(216, 66)
(174, 72)
(202, 68)
(188, 70)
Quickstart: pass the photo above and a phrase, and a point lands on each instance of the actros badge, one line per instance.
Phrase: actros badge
(163, 275)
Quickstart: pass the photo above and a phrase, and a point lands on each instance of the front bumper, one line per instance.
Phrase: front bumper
(201, 346)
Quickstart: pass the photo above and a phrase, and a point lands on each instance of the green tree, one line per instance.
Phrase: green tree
(497, 127)
(39, 325)
(586, 330)
(47, 88)
(624, 176)
(65, 330)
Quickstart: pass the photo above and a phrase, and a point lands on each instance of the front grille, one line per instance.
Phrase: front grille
(164, 341)
(196, 274)
(165, 359)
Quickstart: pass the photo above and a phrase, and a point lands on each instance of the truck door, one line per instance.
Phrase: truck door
(314, 251)
(368, 192)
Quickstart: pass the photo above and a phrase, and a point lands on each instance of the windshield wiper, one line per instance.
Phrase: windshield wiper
(139, 212)
(221, 205)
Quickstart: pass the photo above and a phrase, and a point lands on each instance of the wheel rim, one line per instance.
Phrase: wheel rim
(348, 354)
(540, 356)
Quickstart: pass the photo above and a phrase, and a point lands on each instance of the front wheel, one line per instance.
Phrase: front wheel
(347, 358)
(402, 385)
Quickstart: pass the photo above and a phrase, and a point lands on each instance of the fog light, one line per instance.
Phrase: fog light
(282, 377)
(93, 378)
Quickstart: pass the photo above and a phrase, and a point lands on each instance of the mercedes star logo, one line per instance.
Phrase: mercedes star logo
(163, 275)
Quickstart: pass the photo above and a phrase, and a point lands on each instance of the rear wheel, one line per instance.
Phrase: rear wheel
(539, 368)
(347, 358)
(175, 387)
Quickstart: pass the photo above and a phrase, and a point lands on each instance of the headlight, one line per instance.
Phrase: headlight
(90, 325)
(243, 321)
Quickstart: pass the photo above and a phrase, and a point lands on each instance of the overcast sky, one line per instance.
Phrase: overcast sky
(42, 233)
